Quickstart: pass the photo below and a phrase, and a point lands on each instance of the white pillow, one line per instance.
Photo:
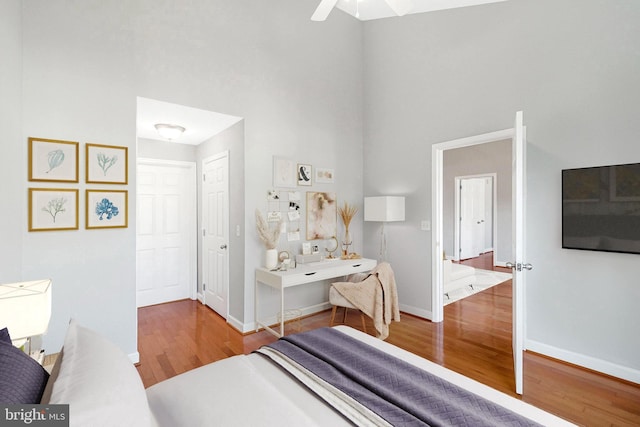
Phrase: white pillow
(99, 382)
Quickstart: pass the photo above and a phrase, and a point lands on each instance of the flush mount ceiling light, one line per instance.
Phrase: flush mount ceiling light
(170, 132)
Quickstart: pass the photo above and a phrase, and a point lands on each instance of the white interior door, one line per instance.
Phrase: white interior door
(518, 265)
(165, 231)
(472, 217)
(215, 240)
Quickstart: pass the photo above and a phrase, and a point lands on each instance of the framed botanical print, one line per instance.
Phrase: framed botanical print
(106, 164)
(53, 160)
(107, 209)
(53, 209)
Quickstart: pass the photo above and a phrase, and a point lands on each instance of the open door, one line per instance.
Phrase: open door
(518, 265)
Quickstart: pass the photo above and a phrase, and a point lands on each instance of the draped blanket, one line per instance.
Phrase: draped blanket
(371, 387)
(376, 296)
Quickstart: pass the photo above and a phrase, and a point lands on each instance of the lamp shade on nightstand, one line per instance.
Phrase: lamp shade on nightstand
(25, 309)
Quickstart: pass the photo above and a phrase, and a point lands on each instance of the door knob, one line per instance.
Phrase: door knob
(519, 266)
(223, 246)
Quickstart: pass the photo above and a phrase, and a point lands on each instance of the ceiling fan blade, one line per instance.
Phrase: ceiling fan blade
(400, 7)
(322, 11)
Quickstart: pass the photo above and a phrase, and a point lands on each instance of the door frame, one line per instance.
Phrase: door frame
(193, 235)
(494, 211)
(437, 191)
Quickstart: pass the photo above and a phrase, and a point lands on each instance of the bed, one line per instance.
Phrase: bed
(103, 388)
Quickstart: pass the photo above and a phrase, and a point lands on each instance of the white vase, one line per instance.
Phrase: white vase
(271, 258)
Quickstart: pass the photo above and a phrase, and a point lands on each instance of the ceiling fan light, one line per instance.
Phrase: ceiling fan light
(170, 132)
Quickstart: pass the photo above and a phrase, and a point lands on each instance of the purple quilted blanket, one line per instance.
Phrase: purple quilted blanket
(396, 391)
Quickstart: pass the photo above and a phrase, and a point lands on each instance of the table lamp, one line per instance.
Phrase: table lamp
(25, 309)
(384, 209)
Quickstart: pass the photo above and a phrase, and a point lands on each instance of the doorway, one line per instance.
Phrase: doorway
(517, 136)
(165, 231)
(475, 217)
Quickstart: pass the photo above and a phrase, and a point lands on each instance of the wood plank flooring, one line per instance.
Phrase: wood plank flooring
(474, 339)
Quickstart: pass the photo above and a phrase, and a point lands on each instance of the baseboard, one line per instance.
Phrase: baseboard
(420, 312)
(599, 365)
(200, 297)
(134, 357)
(238, 325)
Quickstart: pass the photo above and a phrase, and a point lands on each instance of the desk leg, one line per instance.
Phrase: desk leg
(281, 311)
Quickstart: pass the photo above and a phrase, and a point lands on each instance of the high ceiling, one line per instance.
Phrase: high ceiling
(376, 9)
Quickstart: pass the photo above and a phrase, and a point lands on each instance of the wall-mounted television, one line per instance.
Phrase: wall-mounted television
(601, 208)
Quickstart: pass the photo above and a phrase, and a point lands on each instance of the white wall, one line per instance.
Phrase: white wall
(493, 157)
(297, 84)
(572, 66)
(13, 147)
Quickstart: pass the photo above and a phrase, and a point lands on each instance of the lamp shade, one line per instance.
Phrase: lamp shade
(384, 208)
(25, 308)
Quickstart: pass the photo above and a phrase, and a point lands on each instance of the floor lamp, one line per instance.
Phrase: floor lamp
(383, 209)
(25, 310)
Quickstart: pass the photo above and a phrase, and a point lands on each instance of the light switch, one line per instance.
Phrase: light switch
(425, 225)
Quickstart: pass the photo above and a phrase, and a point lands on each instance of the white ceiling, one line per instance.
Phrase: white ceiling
(376, 9)
(200, 125)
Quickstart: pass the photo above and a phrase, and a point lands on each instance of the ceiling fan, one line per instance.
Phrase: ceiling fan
(400, 8)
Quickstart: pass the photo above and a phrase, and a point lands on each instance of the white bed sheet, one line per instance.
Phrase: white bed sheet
(251, 391)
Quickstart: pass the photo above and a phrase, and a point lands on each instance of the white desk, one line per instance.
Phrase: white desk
(305, 273)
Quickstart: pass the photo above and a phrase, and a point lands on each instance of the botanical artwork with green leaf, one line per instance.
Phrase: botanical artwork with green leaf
(53, 160)
(106, 164)
(53, 209)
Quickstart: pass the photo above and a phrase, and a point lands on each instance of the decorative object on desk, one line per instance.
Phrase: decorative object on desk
(304, 174)
(269, 237)
(383, 209)
(331, 247)
(347, 212)
(25, 309)
(321, 215)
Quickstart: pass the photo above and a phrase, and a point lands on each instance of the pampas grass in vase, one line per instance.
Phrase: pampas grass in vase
(347, 212)
(270, 239)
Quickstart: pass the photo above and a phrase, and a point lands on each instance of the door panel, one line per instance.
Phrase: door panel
(165, 232)
(215, 217)
(519, 151)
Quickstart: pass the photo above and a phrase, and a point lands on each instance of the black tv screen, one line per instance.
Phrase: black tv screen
(601, 208)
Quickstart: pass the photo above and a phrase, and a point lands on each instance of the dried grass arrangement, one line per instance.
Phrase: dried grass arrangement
(268, 236)
(347, 212)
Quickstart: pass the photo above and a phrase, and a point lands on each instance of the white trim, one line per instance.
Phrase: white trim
(416, 311)
(437, 150)
(134, 357)
(599, 365)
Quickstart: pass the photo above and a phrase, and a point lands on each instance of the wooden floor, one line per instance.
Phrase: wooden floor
(474, 339)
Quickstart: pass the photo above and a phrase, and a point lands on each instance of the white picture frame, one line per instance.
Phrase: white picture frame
(304, 172)
(324, 176)
(284, 172)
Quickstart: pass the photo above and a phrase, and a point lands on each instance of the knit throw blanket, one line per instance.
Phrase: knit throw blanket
(376, 296)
